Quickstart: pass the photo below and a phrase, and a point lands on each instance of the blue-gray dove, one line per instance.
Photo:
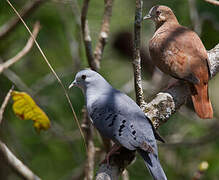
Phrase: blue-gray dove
(119, 118)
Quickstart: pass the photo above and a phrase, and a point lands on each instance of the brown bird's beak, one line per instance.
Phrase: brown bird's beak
(148, 16)
(74, 83)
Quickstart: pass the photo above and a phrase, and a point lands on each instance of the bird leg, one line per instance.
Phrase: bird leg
(112, 151)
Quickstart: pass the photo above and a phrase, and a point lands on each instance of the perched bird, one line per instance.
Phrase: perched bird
(179, 52)
(119, 118)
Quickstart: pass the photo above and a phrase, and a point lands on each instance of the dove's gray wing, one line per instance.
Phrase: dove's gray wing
(119, 118)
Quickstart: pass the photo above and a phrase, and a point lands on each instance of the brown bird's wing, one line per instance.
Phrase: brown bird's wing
(180, 53)
(185, 53)
(192, 64)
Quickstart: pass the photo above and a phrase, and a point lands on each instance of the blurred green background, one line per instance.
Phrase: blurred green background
(59, 153)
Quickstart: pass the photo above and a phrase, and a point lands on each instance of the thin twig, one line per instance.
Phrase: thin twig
(86, 36)
(104, 32)
(16, 164)
(214, 2)
(136, 54)
(28, 9)
(17, 81)
(89, 132)
(24, 51)
(53, 71)
(5, 102)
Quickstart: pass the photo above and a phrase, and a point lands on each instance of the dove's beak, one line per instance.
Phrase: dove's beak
(74, 83)
(148, 16)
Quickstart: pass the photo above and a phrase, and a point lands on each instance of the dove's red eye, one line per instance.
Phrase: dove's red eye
(83, 77)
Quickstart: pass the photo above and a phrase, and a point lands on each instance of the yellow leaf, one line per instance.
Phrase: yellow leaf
(25, 108)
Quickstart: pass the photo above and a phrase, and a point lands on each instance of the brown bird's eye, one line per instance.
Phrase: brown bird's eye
(83, 77)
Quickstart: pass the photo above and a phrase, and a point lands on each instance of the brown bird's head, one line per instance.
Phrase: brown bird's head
(161, 14)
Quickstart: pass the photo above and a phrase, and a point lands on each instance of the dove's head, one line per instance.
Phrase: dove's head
(89, 79)
(161, 14)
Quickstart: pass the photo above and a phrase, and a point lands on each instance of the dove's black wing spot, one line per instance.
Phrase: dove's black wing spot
(121, 127)
(108, 117)
(113, 120)
(95, 109)
(134, 132)
(123, 121)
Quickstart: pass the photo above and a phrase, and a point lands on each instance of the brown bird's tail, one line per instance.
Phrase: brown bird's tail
(201, 101)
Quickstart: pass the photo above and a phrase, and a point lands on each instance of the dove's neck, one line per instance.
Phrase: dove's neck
(94, 92)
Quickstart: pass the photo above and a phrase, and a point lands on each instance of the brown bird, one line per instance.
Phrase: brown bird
(179, 52)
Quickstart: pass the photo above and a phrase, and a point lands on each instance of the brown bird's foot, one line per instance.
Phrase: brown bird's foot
(114, 150)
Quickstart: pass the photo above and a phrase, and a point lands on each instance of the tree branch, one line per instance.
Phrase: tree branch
(16, 164)
(28, 9)
(24, 51)
(86, 36)
(95, 58)
(5, 102)
(103, 35)
(90, 161)
(136, 54)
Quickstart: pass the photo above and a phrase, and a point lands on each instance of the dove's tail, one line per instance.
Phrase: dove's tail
(153, 164)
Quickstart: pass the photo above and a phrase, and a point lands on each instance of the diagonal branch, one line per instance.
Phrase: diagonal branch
(28, 9)
(23, 52)
(5, 102)
(104, 32)
(16, 164)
